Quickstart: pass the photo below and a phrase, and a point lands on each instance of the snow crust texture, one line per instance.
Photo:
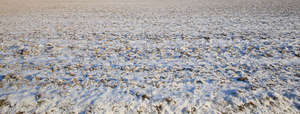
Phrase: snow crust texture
(193, 56)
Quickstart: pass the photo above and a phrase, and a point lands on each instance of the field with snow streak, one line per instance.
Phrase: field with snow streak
(167, 56)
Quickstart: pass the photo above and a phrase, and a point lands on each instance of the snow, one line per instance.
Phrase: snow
(194, 56)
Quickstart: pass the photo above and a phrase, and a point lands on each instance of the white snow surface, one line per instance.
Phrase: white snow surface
(150, 56)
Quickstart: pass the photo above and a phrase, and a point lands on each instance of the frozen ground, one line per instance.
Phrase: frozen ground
(150, 56)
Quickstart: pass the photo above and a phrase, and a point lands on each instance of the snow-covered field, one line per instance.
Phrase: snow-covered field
(149, 56)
